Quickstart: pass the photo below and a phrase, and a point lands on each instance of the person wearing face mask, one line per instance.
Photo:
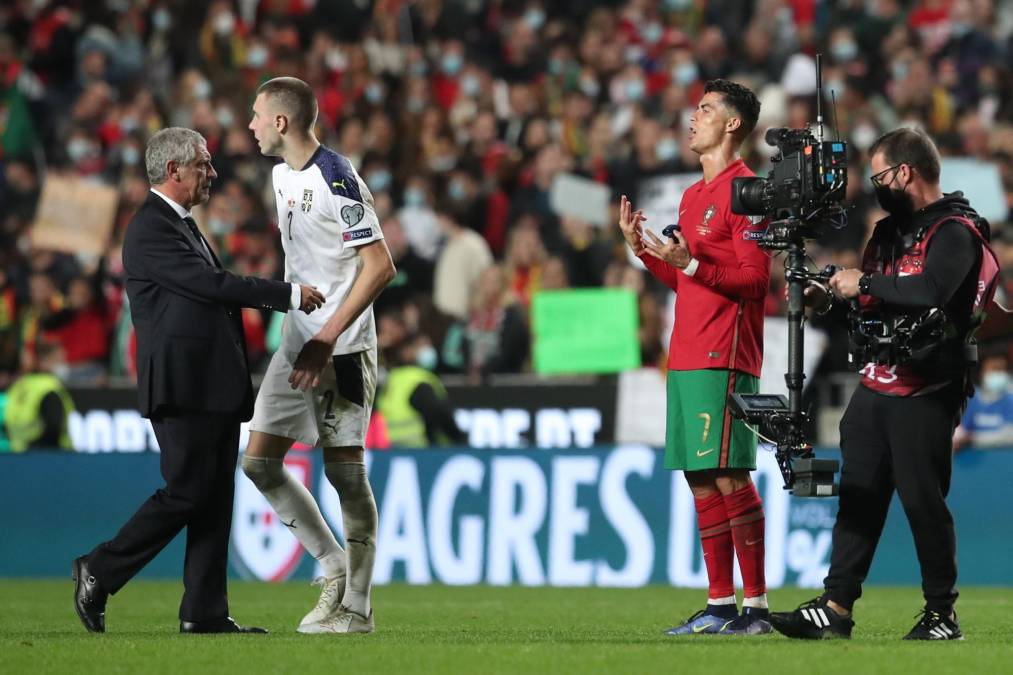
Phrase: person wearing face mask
(988, 420)
(930, 252)
(414, 402)
(38, 405)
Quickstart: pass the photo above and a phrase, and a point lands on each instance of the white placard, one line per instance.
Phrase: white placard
(581, 198)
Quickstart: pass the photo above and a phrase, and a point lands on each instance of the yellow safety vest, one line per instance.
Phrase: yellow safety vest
(22, 416)
(405, 426)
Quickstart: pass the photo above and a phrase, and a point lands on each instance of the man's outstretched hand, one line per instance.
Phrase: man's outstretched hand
(310, 298)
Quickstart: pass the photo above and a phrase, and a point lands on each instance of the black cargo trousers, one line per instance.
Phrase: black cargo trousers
(905, 444)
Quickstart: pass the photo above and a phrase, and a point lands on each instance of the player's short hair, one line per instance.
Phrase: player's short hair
(295, 98)
(172, 144)
(740, 99)
(909, 146)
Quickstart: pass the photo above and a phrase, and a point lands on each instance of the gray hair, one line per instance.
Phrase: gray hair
(174, 144)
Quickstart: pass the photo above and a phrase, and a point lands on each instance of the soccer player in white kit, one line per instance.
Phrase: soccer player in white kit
(319, 387)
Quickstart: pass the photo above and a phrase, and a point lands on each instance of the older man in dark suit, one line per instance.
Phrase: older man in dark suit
(193, 383)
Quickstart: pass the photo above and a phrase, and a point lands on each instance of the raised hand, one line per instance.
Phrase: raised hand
(630, 225)
(310, 298)
(675, 251)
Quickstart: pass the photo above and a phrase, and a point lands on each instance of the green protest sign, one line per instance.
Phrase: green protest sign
(585, 331)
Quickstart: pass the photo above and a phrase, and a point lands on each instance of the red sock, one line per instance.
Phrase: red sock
(745, 515)
(716, 537)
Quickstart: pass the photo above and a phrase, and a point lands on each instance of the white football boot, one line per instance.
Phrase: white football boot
(343, 620)
(329, 602)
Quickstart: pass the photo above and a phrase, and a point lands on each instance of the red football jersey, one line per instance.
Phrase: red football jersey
(719, 310)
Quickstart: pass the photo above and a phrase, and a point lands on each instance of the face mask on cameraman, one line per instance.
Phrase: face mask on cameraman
(896, 202)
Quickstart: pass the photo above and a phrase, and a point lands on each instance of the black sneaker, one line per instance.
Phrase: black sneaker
(813, 620)
(934, 625)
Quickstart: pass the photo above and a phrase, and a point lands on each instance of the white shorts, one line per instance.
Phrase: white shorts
(334, 414)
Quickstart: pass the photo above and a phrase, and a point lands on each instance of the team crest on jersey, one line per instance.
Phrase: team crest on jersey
(704, 227)
(352, 214)
(264, 547)
(307, 200)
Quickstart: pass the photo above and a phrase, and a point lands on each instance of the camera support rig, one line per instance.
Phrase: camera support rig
(803, 191)
(783, 420)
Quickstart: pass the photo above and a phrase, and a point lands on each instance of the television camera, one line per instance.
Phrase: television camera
(802, 194)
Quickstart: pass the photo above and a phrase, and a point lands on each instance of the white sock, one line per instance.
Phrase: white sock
(759, 602)
(358, 511)
(298, 510)
(730, 600)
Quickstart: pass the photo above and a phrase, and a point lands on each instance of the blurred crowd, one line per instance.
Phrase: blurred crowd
(459, 115)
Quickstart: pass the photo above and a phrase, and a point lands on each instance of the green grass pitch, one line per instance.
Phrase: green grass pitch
(440, 629)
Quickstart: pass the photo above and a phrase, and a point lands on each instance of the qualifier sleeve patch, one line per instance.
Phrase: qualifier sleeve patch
(352, 235)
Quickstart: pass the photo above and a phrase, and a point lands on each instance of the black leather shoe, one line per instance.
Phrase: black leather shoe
(226, 625)
(89, 597)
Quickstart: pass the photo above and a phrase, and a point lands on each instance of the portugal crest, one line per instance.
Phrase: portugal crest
(704, 227)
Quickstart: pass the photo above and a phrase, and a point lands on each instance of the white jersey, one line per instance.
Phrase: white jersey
(325, 211)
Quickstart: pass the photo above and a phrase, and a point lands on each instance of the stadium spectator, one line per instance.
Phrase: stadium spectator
(988, 420)
(82, 329)
(461, 261)
(9, 337)
(414, 273)
(494, 337)
(554, 275)
(524, 261)
(422, 224)
(38, 405)
(45, 301)
(585, 252)
(413, 400)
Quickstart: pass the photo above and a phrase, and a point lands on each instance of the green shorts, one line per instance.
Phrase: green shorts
(701, 432)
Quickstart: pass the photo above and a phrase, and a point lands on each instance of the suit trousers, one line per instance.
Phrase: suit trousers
(904, 444)
(198, 463)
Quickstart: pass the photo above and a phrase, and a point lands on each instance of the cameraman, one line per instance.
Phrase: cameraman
(931, 251)
(721, 277)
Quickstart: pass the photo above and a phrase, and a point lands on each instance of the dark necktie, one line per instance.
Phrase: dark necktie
(201, 246)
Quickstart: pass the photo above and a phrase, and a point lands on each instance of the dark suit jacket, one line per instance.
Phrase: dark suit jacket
(191, 349)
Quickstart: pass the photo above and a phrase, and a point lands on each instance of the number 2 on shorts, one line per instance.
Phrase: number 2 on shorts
(329, 399)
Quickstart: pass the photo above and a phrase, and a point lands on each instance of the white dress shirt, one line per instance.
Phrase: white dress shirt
(183, 214)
